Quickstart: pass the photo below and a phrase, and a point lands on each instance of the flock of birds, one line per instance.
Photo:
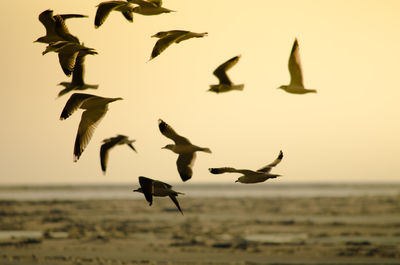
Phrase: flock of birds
(71, 54)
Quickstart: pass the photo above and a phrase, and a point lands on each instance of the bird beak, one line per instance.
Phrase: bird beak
(236, 181)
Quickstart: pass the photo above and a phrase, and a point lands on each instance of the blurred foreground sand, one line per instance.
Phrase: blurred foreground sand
(352, 230)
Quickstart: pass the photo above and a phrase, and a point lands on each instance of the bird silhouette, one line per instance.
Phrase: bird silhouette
(225, 83)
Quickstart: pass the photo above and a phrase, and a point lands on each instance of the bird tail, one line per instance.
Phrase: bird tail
(238, 87)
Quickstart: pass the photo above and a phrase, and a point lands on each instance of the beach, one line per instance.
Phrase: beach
(361, 229)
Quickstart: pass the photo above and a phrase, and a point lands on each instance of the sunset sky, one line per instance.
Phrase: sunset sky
(348, 131)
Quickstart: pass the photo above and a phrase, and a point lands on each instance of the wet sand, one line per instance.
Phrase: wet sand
(245, 231)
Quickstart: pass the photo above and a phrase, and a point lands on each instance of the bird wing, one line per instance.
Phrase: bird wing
(103, 10)
(67, 59)
(173, 198)
(220, 72)
(74, 102)
(163, 43)
(62, 30)
(144, 4)
(268, 167)
(46, 18)
(185, 163)
(296, 76)
(132, 147)
(104, 150)
(67, 16)
(221, 170)
(79, 70)
(89, 121)
(147, 187)
(170, 133)
(128, 15)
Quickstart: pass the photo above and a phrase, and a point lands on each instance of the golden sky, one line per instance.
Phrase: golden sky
(348, 131)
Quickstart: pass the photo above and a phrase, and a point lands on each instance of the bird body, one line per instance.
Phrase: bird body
(151, 187)
(166, 38)
(250, 176)
(49, 22)
(225, 84)
(149, 8)
(104, 9)
(183, 147)
(95, 108)
(296, 85)
(108, 144)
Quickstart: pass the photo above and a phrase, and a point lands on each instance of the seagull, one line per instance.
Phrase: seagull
(67, 53)
(296, 76)
(110, 143)
(49, 22)
(225, 83)
(166, 38)
(104, 9)
(150, 7)
(95, 108)
(151, 187)
(183, 147)
(77, 82)
(250, 176)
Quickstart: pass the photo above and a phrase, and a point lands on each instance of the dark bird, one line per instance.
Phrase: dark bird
(77, 82)
(49, 22)
(105, 8)
(95, 108)
(182, 147)
(225, 83)
(166, 38)
(151, 187)
(67, 53)
(250, 176)
(296, 76)
(110, 143)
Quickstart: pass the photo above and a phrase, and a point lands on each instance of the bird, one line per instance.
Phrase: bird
(250, 176)
(49, 22)
(296, 85)
(166, 38)
(149, 8)
(77, 82)
(110, 143)
(225, 83)
(104, 9)
(95, 108)
(67, 53)
(151, 187)
(182, 147)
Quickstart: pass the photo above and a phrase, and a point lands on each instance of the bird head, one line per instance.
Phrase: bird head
(138, 190)
(168, 146)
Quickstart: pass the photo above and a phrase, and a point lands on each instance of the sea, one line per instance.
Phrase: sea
(197, 190)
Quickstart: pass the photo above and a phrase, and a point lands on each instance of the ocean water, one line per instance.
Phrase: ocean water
(195, 190)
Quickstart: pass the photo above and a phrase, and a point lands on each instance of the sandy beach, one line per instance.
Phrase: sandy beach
(245, 231)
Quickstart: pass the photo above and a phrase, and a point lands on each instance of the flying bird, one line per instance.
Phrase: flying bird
(95, 108)
(151, 187)
(250, 176)
(49, 22)
(182, 147)
(225, 83)
(166, 38)
(149, 8)
(110, 143)
(104, 9)
(296, 76)
(67, 53)
(77, 82)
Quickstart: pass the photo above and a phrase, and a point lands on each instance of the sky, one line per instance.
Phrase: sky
(348, 131)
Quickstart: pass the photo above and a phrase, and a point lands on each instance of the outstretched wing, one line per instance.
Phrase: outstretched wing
(220, 72)
(184, 164)
(147, 187)
(170, 133)
(296, 75)
(74, 102)
(221, 170)
(103, 10)
(104, 150)
(163, 43)
(268, 167)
